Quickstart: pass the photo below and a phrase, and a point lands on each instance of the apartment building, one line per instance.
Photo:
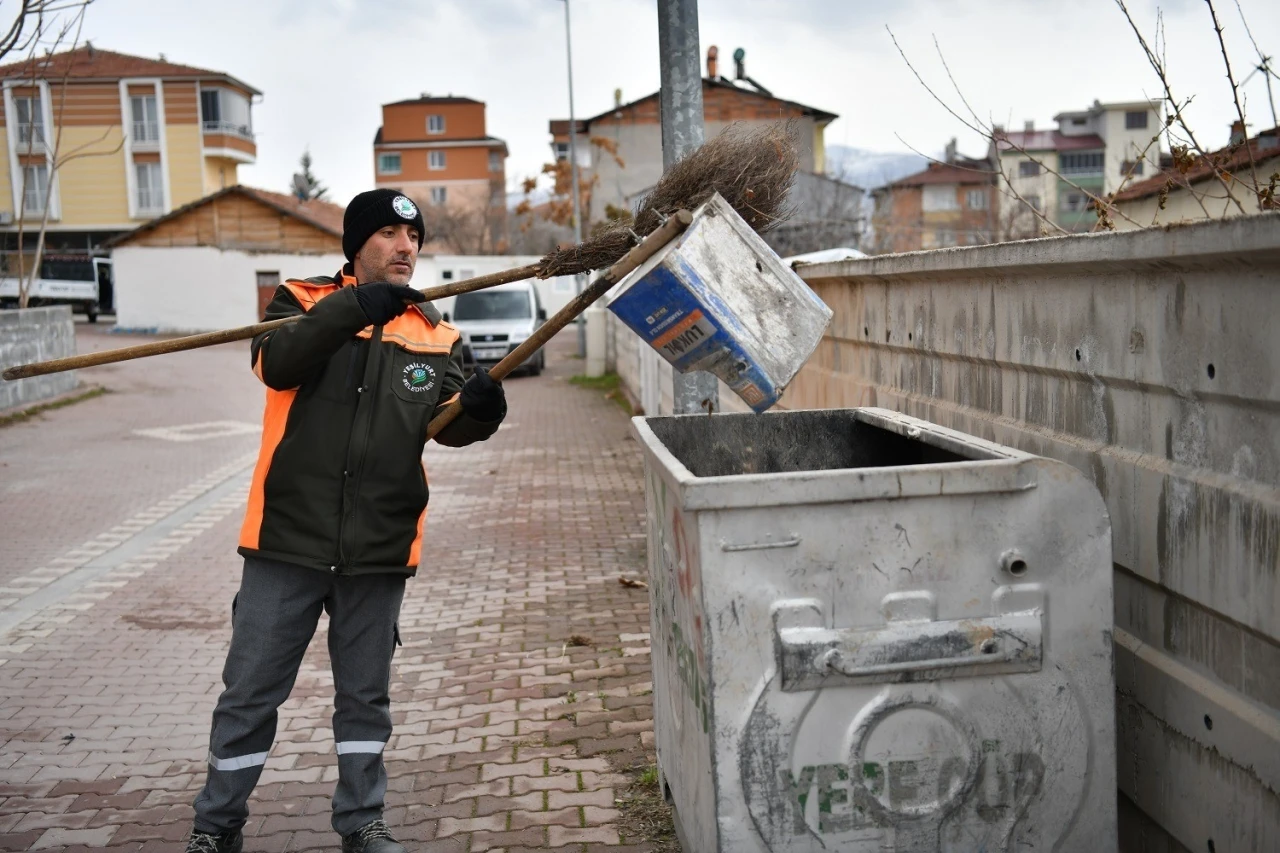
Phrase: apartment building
(438, 151)
(102, 142)
(1096, 150)
(948, 203)
(619, 151)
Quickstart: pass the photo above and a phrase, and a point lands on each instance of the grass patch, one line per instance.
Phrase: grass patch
(37, 410)
(646, 817)
(608, 382)
(611, 384)
(648, 777)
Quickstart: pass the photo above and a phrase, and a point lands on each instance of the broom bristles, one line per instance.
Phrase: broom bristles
(753, 169)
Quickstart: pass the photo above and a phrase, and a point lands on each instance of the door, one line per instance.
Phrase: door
(268, 281)
(106, 291)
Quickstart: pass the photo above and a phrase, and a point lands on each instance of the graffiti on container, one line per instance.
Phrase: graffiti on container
(677, 581)
(1005, 784)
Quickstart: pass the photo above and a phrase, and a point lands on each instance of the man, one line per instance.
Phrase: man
(335, 515)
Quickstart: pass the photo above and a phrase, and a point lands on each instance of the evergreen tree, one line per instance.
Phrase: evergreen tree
(305, 184)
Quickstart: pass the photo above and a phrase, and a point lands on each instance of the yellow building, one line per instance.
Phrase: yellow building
(103, 142)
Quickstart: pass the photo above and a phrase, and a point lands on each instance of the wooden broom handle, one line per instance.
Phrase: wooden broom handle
(647, 248)
(209, 339)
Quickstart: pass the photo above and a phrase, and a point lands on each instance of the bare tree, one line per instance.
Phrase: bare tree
(54, 25)
(1024, 217)
(467, 229)
(826, 214)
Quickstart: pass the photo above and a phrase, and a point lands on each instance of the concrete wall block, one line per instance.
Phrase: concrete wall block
(1147, 360)
(36, 334)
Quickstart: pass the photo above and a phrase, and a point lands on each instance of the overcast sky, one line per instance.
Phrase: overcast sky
(326, 66)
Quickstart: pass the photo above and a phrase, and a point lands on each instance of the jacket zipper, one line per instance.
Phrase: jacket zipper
(373, 368)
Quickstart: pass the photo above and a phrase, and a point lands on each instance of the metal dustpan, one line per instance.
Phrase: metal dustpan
(718, 299)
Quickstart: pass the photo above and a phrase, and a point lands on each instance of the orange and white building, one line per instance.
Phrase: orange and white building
(148, 136)
(438, 151)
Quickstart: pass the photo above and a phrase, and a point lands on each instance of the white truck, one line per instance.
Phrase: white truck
(80, 281)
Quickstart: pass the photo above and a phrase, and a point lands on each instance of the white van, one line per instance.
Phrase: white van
(496, 320)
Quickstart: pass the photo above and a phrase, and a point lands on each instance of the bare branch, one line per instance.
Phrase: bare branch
(929, 89)
(954, 84)
(1235, 96)
(1159, 67)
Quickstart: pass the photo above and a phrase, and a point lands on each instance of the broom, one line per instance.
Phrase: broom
(752, 169)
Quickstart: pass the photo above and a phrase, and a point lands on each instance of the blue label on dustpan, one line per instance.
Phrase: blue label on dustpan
(692, 330)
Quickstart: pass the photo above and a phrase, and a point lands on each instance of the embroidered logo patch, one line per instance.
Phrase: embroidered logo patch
(404, 207)
(418, 377)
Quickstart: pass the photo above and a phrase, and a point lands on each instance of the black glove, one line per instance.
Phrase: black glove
(382, 301)
(482, 398)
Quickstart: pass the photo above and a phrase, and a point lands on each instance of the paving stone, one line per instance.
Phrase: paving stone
(531, 528)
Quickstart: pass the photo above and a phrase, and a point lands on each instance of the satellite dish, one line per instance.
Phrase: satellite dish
(301, 188)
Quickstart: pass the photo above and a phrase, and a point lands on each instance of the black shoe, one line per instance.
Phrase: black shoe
(222, 842)
(373, 837)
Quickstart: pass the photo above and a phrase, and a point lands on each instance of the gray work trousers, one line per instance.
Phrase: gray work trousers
(274, 616)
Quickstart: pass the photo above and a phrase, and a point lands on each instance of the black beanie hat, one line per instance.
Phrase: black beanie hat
(376, 209)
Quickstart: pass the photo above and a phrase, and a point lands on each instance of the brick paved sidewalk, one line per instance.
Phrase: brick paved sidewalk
(521, 691)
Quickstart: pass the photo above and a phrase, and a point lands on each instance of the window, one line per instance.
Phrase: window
(35, 193)
(388, 164)
(1081, 163)
(446, 275)
(561, 150)
(1075, 202)
(30, 120)
(435, 160)
(1130, 167)
(495, 161)
(1028, 169)
(435, 124)
(1135, 120)
(439, 195)
(150, 186)
(975, 199)
(1078, 122)
(940, 197)
(225, 111)
(146, 122)
(492, 305)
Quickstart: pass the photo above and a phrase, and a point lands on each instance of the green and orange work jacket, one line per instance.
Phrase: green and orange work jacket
(340, 485)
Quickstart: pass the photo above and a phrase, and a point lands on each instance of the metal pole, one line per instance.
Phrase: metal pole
(573, 172)
(680, 101)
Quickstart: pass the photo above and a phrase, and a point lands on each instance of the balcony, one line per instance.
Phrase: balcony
(228, 140)
(146, 135)
(150, 201)
(31, 137)
(229, 128)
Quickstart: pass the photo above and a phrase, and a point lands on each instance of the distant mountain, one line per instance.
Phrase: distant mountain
(871, 169)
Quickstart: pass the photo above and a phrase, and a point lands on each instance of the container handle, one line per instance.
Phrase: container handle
(792, 542)
(812, 658)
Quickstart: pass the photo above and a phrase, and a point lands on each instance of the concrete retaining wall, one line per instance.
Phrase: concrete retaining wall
(36, 334)
(1151, 362)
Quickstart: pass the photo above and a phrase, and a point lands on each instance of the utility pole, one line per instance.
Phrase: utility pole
(573, 173)
(680, 101)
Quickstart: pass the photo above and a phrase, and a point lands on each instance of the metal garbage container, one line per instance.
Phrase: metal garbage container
(871, 633)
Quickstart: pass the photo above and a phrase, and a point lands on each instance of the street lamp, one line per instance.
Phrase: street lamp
(573, 173)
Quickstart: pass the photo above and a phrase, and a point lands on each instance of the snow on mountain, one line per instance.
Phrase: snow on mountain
(871, 169)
